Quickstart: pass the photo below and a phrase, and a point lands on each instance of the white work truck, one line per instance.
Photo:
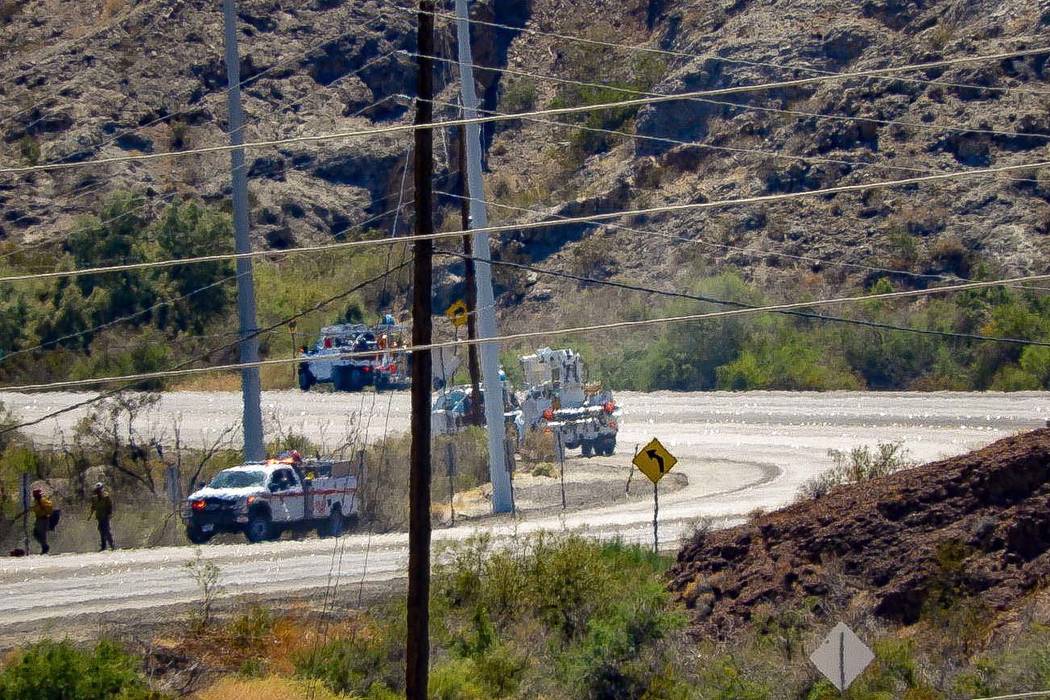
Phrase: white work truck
(264, 499)
(559, 399)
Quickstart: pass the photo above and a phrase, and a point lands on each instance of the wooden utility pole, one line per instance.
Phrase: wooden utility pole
(473, 365)
(417, 656)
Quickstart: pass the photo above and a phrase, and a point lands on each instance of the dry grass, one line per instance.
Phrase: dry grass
(112, 8)
(210, 382)
(273, 688)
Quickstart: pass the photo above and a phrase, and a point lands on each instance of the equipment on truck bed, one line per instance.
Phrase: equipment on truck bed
(558, 398)
(381, 366)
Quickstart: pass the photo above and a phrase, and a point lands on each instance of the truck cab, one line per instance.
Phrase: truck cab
(264, 499)
(451, 408)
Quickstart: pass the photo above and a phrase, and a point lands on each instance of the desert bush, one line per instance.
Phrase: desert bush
(602, 612)
(519, 95)
(206, 574)
(29, 149)
(368, 663)
(856, 466)
(50, 670)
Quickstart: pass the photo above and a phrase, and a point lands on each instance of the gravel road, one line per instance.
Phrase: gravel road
(738, 452)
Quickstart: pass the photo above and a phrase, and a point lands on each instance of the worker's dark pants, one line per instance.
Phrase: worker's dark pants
(40, 534)
(105, 535)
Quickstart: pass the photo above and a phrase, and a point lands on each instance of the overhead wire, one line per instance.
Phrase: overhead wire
(152, 202)
(525, 335)
(885, 73)
(58, 51)
(739, 105)
(729, 149)
(287, 104)
(577, 109)
(525, 226)
(738, 304)
(182, 367)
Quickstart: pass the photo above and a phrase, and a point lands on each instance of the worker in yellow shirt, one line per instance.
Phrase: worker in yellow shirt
(42, 510)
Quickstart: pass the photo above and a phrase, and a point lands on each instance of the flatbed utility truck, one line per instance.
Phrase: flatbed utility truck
(264, 499)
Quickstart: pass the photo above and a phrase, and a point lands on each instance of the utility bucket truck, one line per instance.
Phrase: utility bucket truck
(264, 499)
(376, 362)
(559, 399)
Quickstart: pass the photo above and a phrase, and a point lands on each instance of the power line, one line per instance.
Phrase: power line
(58, 51)
(288, 104)
(747, 251)
(713, 300)
(182, 368)
(148, 203)
(512, 337)
(118, 321)
(874, 73)
(316, 138)
(738, 105)
(728, 149)
(691, 206)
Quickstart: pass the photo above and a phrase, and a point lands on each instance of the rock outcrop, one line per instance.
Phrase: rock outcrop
(977, 525)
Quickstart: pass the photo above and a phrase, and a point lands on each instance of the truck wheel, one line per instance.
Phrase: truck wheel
(587, 448)
(339, 379)
(306, 379)
(258, 528)
(358, 381)
(610, 446)
(335, 525)
(197, 536)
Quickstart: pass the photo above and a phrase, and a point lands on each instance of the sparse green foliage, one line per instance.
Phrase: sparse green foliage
(519, 95)
(29, 149)
(206, 575)
(858, 465)
(50, 670)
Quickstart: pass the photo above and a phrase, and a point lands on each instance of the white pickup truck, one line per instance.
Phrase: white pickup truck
(264, 499)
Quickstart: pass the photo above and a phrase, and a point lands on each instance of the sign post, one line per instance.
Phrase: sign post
(560, 447)
(25, 511)
(655, 461)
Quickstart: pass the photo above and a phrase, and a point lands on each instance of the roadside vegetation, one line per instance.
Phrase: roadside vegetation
(132, 322)
(120, 443)
(135, 322)
(803, 354)
(551, 616)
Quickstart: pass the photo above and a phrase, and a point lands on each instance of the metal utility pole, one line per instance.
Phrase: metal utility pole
(470, 282)
(502, 500)
(250, 385)
(417, 656)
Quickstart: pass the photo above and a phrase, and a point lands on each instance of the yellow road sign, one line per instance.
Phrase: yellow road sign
(457, 313)
(654, 460)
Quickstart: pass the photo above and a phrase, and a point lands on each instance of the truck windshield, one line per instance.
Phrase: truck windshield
(237, 480)
(448, 401)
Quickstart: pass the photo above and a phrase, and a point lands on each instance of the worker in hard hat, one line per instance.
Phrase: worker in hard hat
(42, 509)
(102, 511)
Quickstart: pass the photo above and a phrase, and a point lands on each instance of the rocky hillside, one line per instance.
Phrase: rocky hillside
(96, 79)
(972, 529)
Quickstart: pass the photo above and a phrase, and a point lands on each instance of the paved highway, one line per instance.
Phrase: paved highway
(739, 452)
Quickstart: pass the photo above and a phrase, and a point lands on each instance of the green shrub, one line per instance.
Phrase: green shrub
(370, 662)
(453, 680)
(858, 465)
(519, 95)
(50, 670)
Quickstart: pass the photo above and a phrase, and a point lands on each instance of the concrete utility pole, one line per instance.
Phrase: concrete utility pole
(502, 501)
(251, 388)
(417, 650)
(473, 365)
